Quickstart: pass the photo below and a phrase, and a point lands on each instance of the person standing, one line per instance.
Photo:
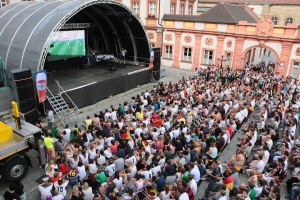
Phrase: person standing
(49, 143)
(123, 55)
(50, 118)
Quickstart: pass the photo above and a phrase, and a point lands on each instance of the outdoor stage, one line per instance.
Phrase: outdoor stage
(88, 85)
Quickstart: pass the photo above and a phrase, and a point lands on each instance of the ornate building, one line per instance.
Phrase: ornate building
(234, 32)
(282, 11)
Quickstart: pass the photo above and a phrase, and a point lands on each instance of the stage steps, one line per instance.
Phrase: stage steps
(66, 112)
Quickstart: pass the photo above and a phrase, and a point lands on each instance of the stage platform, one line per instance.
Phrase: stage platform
(88, 85)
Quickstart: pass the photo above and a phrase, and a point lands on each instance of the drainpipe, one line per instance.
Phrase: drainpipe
(162, 29)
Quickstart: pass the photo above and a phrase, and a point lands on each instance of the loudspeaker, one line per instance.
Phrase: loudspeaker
(23, 93)
(156, 62)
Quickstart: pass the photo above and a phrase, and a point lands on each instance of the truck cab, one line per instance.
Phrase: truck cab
(15, 141)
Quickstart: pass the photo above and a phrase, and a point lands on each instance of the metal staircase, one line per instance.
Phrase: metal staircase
(66, 112)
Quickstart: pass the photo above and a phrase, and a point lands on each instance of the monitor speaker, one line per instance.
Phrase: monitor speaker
(156, 62)
(23, 93)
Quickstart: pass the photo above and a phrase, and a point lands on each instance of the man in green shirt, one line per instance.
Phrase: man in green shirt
(185, 176)
(54, 131)
(100, 177)
(252, 192)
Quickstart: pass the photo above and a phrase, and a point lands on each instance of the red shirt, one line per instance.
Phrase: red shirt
(114, 148)
(63, 168)
(229, 129)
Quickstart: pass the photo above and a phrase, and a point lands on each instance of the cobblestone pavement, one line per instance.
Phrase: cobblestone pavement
(171, 75)
(33, 173)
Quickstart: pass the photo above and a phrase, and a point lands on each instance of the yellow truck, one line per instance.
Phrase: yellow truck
(16, 138)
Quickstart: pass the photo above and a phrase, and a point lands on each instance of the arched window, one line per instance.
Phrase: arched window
(289, 20)
(274, 20)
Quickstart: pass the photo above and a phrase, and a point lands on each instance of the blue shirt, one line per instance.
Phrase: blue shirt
(160, 182)
(73, 180)
(51, 116)
(201, 169)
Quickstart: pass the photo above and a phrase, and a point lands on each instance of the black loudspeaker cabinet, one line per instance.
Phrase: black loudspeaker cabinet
(24, 94)
(156, 62)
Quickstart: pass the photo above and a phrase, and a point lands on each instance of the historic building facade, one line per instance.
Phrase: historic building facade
(190, 42)
(282, 11)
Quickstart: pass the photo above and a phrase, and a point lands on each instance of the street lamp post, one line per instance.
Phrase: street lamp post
(222, 59)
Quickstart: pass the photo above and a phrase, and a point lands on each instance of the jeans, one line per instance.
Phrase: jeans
(50, 124)
(293, 191)
(276, 153)
(211, 183)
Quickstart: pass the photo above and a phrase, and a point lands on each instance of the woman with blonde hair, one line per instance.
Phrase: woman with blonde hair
(92, 151)
(132, 168)
(49, 168)
(76, 194)
(87, 191)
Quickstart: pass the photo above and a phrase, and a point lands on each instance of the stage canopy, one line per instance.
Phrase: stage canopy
(25, 29)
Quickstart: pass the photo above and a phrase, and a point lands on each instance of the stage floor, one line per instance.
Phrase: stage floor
(76, 77)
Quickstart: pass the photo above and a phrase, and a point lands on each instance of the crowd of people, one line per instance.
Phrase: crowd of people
(163, 143)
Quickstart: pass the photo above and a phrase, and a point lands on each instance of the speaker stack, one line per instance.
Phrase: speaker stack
(23, 93)
(156, 62)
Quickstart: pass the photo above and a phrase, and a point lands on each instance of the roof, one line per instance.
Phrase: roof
(26, 26)
(281, 2)
(222, 13)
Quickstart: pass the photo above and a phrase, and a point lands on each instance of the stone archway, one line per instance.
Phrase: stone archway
(257, 53)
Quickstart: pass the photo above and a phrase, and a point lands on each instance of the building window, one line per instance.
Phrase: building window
(181, 11)
(172, 8)
(274, 20)
(190, 10)
(187, 54)
(2, 3)
(152, 8)
(227, 62)
(208, 55)
(289, 20)
(295, 70)
(168, 52)
(136, 7)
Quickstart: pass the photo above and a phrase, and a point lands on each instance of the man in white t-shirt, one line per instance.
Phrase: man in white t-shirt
(61, 185)
(138, 131)
(147, 173)
(156, 168)
(45, 190)
(192, 184)
(111, 168)
(182, 194)
(195, 172)
(259, 167)
(57, 196)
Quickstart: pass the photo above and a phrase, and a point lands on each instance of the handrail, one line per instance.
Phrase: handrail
(63, 91)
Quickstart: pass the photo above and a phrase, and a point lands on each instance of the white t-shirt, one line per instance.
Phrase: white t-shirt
(111, 169)
(58, 197)
(196, 173)
(138, 131)
(81, 172)
(147, 174)
(193, 186)
(88, 194)
(184, 196)
(260, 166)
(45, 191)
(61, 188)
(118, 183)
(155, 170)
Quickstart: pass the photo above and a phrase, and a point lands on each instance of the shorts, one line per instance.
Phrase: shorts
(51, 152)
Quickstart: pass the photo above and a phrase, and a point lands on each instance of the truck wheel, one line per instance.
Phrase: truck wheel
(15, 169)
